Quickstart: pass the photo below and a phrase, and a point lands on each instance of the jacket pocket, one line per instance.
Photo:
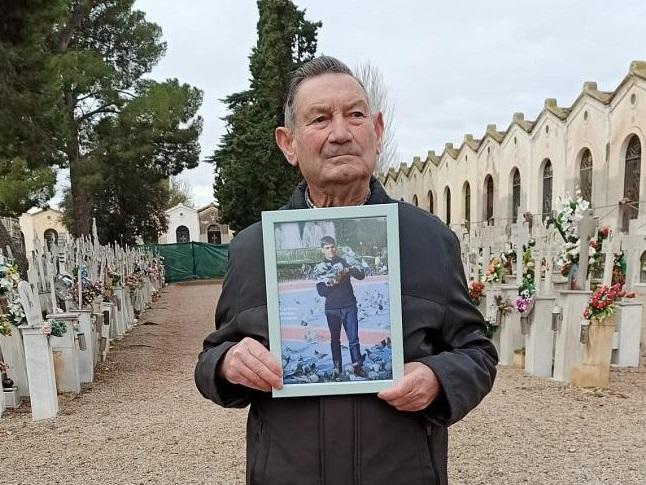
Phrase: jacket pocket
(258, 463)
(394, 446)
(429, 454)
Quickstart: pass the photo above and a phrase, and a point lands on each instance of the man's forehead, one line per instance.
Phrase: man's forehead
(329, 88)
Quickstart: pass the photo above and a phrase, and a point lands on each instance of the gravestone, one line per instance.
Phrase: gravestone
(39, 359)
(66, 355)
(519, 238)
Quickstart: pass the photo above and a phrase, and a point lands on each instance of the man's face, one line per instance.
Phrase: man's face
(335, 138)
(329, 251)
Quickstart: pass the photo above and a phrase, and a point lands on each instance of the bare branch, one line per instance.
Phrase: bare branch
(380, 101)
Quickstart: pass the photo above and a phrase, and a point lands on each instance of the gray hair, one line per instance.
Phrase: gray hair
(316, 67)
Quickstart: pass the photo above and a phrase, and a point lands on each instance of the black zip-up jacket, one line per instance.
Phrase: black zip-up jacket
(358, 439)
(341, 295)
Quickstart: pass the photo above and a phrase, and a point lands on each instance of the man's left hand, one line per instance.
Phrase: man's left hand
(415, 391)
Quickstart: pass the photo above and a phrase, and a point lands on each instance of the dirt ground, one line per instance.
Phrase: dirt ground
(142, 421)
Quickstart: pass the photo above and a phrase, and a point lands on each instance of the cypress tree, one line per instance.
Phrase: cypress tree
(251, 174)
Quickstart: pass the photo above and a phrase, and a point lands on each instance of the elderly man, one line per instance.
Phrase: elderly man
(398, 436)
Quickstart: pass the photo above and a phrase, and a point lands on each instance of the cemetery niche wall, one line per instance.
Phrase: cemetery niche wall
(549, 213)
(54, 328)
(557, 295)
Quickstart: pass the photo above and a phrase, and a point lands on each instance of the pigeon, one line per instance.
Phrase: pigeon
(319, 355)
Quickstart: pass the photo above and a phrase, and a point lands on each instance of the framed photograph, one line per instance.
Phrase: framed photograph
(334, 298)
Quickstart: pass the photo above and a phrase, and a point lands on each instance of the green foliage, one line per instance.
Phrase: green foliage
(59, 328)
(32, 127)
(104, 48)
(132, 155)
(22, 187)
(251, 174)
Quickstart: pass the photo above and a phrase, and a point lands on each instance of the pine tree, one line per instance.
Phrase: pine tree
(251, 174)
(32, 127)
(104, 47)
(131, 157)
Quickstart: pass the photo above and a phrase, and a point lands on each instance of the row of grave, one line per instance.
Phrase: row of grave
(77, 300)
(551, 338)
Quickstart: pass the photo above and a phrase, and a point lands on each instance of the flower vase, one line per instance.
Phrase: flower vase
(518, 360)
(6, 382)
(594, 371)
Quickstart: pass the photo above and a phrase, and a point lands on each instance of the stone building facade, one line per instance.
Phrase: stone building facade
(186, 224)
(594, 146)
(44, 225)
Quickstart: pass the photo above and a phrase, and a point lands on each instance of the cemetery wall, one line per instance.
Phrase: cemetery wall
(602, 122)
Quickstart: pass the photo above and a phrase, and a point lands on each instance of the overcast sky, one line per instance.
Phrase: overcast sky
(451, 67)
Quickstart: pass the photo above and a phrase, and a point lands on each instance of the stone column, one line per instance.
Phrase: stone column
(567, 347)
(594, 370)
(507, 337)
(628, 322)
(40, 372)
(120, 310)
(539, 348)
(86, 357)
(66, 355)
(14, 355)
(2, 404)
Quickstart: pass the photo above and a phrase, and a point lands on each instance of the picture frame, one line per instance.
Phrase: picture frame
(334, 298)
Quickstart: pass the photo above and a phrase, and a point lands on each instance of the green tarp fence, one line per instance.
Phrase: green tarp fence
(193, 260)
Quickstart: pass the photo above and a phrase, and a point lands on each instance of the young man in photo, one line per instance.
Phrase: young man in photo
(341, 306)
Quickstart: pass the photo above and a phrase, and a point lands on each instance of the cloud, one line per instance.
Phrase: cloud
(451, 67)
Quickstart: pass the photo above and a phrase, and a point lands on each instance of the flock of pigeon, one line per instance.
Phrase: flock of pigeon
(308, 361)
(310, 364)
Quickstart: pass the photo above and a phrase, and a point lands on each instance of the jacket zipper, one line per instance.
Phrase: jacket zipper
(429, 434)
(322, 440)
(356, 436)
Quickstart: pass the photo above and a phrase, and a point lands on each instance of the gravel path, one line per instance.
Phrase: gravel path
(142, 421)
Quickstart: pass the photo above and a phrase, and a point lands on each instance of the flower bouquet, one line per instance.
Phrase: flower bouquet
(55, 328)
(504, 307)
(602, 302)
(525, 301)
(495, 271)
(476, 291)
(5, 325)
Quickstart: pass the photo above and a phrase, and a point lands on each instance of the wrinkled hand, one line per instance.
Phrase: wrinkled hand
(415, 391)
(250, 364)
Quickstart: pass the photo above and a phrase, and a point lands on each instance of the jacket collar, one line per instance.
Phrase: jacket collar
(378, 195)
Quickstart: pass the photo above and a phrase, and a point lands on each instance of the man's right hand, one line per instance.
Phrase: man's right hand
(250, 364)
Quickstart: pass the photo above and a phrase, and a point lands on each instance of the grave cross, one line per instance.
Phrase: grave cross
(610, 247)
(486, 242)
(539, 252)
(586, 229)
(519, 237)
(465, 250)
(634, 245)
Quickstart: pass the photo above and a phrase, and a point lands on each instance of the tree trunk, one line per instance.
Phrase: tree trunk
(80, 208)
(17, 251)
